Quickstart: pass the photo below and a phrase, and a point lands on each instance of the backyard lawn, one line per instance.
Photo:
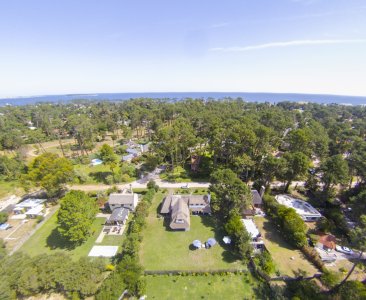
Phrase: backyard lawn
(46, 240)
(228, 287)
(282, 253)
(163, 249)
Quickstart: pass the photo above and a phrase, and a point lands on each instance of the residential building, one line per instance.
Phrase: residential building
(119, 216)
(30, 207)
(180, 216)
(179, 208)
(304, 209)
(126, 199)
(253, 231)
(254, 207)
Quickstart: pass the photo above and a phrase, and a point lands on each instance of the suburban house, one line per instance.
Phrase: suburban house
(179, 208)
(304, 209)
(326, 242)
(253, 231)
(119, 216)
(257, 204)
(30, 207)
(257, 199)
(126, 199)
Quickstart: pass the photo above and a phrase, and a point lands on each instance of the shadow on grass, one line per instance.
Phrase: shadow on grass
(56, 241)
(274, 236)
(228, 255)
(100, 176)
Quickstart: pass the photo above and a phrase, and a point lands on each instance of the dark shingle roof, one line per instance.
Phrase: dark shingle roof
(257, 199)
(119, 214)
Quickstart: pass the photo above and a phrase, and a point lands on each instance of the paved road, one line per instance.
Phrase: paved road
(135, 184)
(141, 183)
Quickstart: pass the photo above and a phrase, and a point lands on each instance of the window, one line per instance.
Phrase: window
(179, 221)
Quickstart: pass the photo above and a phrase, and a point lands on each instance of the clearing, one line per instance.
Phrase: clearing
(228, 287)
(164, 249)
(47, 240)
(282, 252)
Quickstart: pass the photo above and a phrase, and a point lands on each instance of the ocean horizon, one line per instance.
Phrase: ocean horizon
(246, 96)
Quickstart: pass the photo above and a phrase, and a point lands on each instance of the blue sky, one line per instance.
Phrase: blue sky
(303, 46)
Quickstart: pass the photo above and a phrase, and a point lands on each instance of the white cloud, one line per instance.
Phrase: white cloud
(286, 44)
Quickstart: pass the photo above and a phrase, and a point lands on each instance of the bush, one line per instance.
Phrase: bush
(265, 263)
(109, 179)
(291, 224)
(3, 217)
(39, 219)
(313, 256)
(152, 185)
(330, 278)
(128, 273)
(353, 290)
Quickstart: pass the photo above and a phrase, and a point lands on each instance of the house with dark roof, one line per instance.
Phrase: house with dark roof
(257, 199)
(257, 203)
(126, 199)
(119, 216)
(179, 208)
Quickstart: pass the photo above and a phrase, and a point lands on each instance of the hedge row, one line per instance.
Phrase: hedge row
(128, 273)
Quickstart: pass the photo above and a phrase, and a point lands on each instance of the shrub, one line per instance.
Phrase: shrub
(313, 256)
(3, 217)
(109, 179)
(330, 278)
(39, 219)
(292, 226)
(265, 263)
(152, 185)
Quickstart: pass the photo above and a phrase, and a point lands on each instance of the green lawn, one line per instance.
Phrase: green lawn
(96, 174)
(46, 240)
(8, 188)
(163, 249)
(180, 174)
(289, 261)
(228, 287)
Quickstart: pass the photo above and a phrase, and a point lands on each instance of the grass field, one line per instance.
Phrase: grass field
(8, 188)
(282, 252)
(46, 240)
(180, 174)
(228, 287)
(163, 249)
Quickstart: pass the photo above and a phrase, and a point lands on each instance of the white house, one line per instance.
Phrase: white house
(253, 231)
(30, 207)
(304, 209)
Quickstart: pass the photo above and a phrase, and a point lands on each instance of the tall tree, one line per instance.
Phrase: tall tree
(297, 164)
(76, 216)
(107, 155)
(334, 171)
(51, 172)
(230, 194)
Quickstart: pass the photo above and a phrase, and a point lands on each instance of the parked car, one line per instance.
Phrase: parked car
(344, 250)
